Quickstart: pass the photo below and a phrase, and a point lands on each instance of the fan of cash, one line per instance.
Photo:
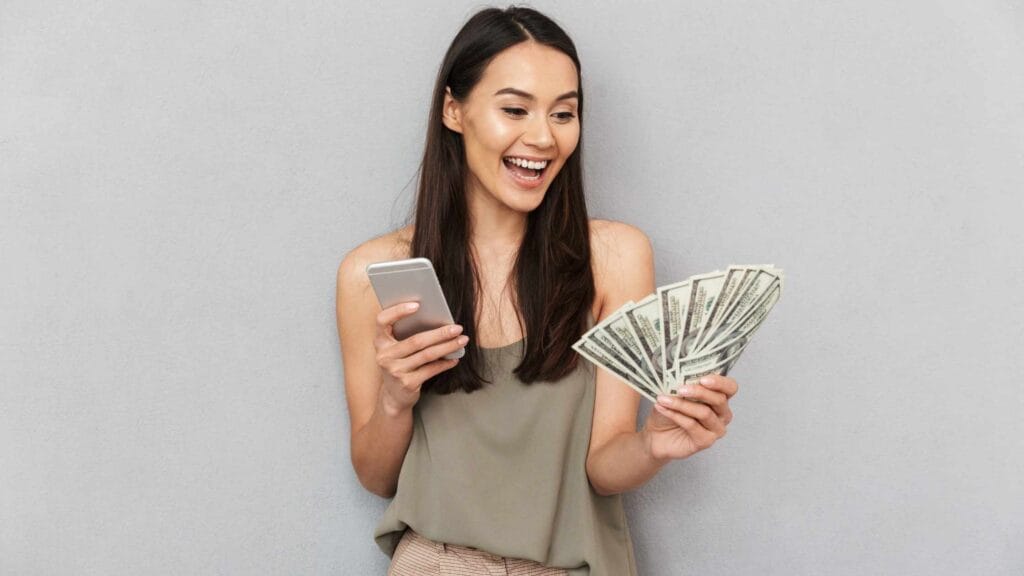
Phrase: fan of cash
(685, 330)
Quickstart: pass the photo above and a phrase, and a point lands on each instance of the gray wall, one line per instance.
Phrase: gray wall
(178, 182)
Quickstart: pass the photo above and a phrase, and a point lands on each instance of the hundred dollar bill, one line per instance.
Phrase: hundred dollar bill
(734, 275)
(685, 330)
(696, 376)
(597, 356)
(714, 362)
(746, 325)
(604, 340)
(674, 299)
(752, 292)
(618, 328)
(723, 367)
(645, 321)
(729, 350)
(703, 291)
(737, 279)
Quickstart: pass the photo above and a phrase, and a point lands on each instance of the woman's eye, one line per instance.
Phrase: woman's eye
(565, 116)
(514, 111)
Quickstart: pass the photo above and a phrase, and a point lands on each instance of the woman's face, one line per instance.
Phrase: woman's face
(521, 115)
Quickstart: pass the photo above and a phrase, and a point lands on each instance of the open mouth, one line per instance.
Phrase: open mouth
(525, 170)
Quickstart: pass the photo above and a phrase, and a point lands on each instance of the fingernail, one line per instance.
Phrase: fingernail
(664, 400)
(706, 380)
(412, 305)
(685, 390)
(455, 329)
(463, 339)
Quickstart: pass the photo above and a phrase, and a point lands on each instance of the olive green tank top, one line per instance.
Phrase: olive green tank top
(503, 469)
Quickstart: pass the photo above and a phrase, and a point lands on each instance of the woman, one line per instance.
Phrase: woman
(515, 456)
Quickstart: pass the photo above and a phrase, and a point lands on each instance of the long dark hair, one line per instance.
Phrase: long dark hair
(554, 284)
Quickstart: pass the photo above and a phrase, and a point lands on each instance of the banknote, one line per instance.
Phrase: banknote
(704, 290)
(598, 357)
(684, 330)
(674, 300)
(621, 332)
(645, 321)
(760, 282)
(749, 322)
(736, 277)
(609, 342)
(716, 362)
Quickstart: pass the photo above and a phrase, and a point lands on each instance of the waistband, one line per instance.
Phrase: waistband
(445, 547)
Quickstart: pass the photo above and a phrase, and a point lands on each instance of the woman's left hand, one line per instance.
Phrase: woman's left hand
(679, 427)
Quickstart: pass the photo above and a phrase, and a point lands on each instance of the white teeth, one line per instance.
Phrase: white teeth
(527, 163)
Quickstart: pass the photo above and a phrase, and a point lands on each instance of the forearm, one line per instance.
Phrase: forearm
(624, 463)
(379, 447)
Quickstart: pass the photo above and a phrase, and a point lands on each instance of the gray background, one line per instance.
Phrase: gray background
(179, 181)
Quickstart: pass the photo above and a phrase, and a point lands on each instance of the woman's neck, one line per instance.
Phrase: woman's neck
(493, 227)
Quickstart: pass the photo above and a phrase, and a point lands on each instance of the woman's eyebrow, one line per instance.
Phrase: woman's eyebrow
(528, 96)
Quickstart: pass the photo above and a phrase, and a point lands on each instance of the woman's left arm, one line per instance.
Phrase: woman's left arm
(620, 457)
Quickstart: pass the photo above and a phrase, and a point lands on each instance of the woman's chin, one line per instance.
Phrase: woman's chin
(525, 201)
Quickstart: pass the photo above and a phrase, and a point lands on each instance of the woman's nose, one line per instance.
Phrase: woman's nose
(538, 133)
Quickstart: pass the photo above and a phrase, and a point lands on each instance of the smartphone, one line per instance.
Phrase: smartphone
(412, 280)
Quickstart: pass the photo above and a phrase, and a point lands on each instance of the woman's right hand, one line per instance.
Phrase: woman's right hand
(407, 364)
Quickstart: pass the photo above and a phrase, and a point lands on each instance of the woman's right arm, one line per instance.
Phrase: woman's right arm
(382, 375)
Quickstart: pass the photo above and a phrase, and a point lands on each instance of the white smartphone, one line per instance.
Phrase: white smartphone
(412, 280)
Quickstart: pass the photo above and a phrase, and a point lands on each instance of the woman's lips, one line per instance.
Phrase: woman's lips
(527, 184)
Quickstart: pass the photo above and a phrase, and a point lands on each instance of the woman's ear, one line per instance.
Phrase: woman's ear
(451, 115)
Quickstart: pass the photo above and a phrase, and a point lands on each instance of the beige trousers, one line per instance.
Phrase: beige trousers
(420, 556)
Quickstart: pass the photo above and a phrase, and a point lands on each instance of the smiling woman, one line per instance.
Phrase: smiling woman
(512, 459)
(517, 136)
(507, 103)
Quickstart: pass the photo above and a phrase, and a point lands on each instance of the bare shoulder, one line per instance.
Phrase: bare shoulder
(394, 245)
(614, 243)
(357, 310)
(622, 259)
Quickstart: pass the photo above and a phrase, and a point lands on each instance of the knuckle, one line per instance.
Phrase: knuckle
(444, 348)
(420, 340)
(420, 358)
(437, 351)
